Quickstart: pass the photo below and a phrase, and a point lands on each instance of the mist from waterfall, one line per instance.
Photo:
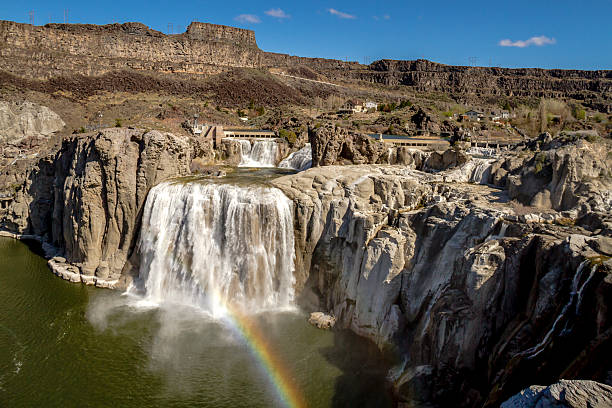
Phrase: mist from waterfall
(259, 153)
(300, 160)
(210, 245)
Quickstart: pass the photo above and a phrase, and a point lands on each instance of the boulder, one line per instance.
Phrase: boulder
(322, 320)
(566, 394)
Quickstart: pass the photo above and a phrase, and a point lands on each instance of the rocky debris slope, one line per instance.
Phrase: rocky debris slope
(87, 198)
(570, 394)
(478, 300)
(19, 121)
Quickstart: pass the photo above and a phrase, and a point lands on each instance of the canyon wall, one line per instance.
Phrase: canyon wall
(57, 50)
(478, 299)
(86, 199)
(64, 50)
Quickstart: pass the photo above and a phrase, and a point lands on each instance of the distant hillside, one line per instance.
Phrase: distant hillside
(43, 53)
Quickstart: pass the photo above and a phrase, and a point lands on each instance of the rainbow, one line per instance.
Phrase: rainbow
(278, 374)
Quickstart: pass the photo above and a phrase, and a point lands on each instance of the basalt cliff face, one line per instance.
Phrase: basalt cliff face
(429, 76)
(478, 298)
(68, 50)
(87, 198)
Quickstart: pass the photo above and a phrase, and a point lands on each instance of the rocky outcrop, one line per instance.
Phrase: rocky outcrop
(560, 176)
(332, 145)
(322, 320)
(423, 75)
(87, 199)
(19, 121)
(57, 50)
(335, 145)
(480, 301)
(569, 394)
(446, 160)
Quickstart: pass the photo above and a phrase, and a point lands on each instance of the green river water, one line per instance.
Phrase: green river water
(69, 345)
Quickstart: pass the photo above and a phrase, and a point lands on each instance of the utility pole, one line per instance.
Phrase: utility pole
(65, 16)
(473, 61)
(31, 13)
(169, 28)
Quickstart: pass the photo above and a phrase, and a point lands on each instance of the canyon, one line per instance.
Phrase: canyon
(484, 275)
(431, 257)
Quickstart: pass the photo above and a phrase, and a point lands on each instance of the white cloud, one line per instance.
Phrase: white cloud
(537, 41)
(384, 17)
(278, 13)
(247, 18)
(341, 14)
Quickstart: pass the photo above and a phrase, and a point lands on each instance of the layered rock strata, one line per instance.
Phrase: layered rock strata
(65, 50)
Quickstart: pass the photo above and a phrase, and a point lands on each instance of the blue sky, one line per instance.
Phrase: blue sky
(548, 34)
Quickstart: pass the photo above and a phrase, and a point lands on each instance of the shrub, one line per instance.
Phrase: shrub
(260, 110)
(117, 122)
(580, 114)
(81, 129)
(240, 113)
(405, 104)
(288, 135)
(540, 161)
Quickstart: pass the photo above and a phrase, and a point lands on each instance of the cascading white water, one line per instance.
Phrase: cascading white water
(262, 153)
(300, 160)
(474, 171)
(208, 245)
(482, 170)
(483, 152)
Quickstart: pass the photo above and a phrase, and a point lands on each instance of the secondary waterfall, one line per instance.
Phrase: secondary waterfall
(474, 171)
(262, 153)
(300, 160)
(208, 245)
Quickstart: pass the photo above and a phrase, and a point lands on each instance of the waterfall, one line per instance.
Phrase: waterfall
(300, 160)
(474, 171)
(483, 152)
(567, 315)
(482, 171)
(262, 153)
(207, 245)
